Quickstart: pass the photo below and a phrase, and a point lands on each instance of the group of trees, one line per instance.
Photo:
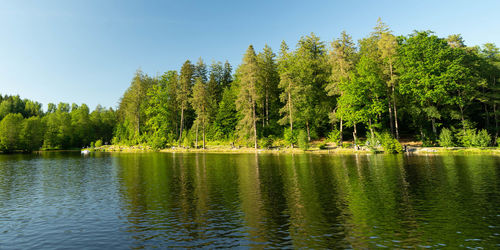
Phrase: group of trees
(416, 86)
(411, 86)
(24, 126)
(172, 108)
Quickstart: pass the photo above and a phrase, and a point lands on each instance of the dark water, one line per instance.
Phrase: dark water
(104, 201)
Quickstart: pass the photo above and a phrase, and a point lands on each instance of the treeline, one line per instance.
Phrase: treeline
(24, 126)
(410, 86)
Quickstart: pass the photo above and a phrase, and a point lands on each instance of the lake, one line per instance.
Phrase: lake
(112, 200)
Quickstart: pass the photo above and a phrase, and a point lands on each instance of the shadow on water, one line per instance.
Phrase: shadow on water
(254, 200)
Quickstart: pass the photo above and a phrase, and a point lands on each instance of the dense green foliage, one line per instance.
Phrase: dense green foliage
(411, 85)
(419, 86)
(446, 138)
(389, 144)
(26, 127)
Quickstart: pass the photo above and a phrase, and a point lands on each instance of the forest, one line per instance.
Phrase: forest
(418, 87)
(26, 127)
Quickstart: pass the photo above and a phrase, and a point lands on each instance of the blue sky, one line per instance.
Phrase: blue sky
(88, 51)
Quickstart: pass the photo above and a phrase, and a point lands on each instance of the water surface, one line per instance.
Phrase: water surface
(65, 200)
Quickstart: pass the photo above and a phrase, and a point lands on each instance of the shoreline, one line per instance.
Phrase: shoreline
(332, 150)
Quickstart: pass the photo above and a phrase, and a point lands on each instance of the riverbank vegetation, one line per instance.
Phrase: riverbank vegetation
(24, 126)
(372, 93)
(382, 88)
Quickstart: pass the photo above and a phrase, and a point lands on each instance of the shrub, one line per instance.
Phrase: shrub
(446, 138)
(467, 137)
(187, 139)
(334, 136)
(302, 140)
(471, 138)
(322, 145)
(390, 145)
(290, 137)
(483, 139)
(92, 145)
(266, 142)
(157, 142)
(373, 141)
(98, 143)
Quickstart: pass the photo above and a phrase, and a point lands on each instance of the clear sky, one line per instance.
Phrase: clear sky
(87, 51)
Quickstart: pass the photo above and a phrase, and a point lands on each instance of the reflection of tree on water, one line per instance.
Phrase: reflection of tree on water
(168, 197)
(250, 197)
(374, 200)
(183, 200)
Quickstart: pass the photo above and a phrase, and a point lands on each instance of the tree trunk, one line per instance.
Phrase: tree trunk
(182, 126)
(422, 135)
(395, 113)
(433, 120)
(390, 119)
(203, 133)
(267, 107)
(138, 130)
(196, 136)
(341, 132)
(308, 135)
(254, 125)
(263, 116)
(176, 127)
(496, 121)
(354, 134)
(371, 128)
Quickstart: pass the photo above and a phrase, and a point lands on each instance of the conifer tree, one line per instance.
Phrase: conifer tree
(248, 96)
(201, 105)
(342, 60)
(184, 92)
(200, 70)
(387, 47)
(268, 84)
(288, 87)
(133, 100)
(226, 75)
(311, 69)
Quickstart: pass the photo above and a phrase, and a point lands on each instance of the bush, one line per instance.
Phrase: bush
(157, 142)
(467, 137)
(334, 136)
(187, 139)
(446, 138)
(373, 141)
(471, 138)
(266, 142)
(483, 139)
(98, 143)
(290, 137)
(302, 140)
(390, 145)
(92, 145)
